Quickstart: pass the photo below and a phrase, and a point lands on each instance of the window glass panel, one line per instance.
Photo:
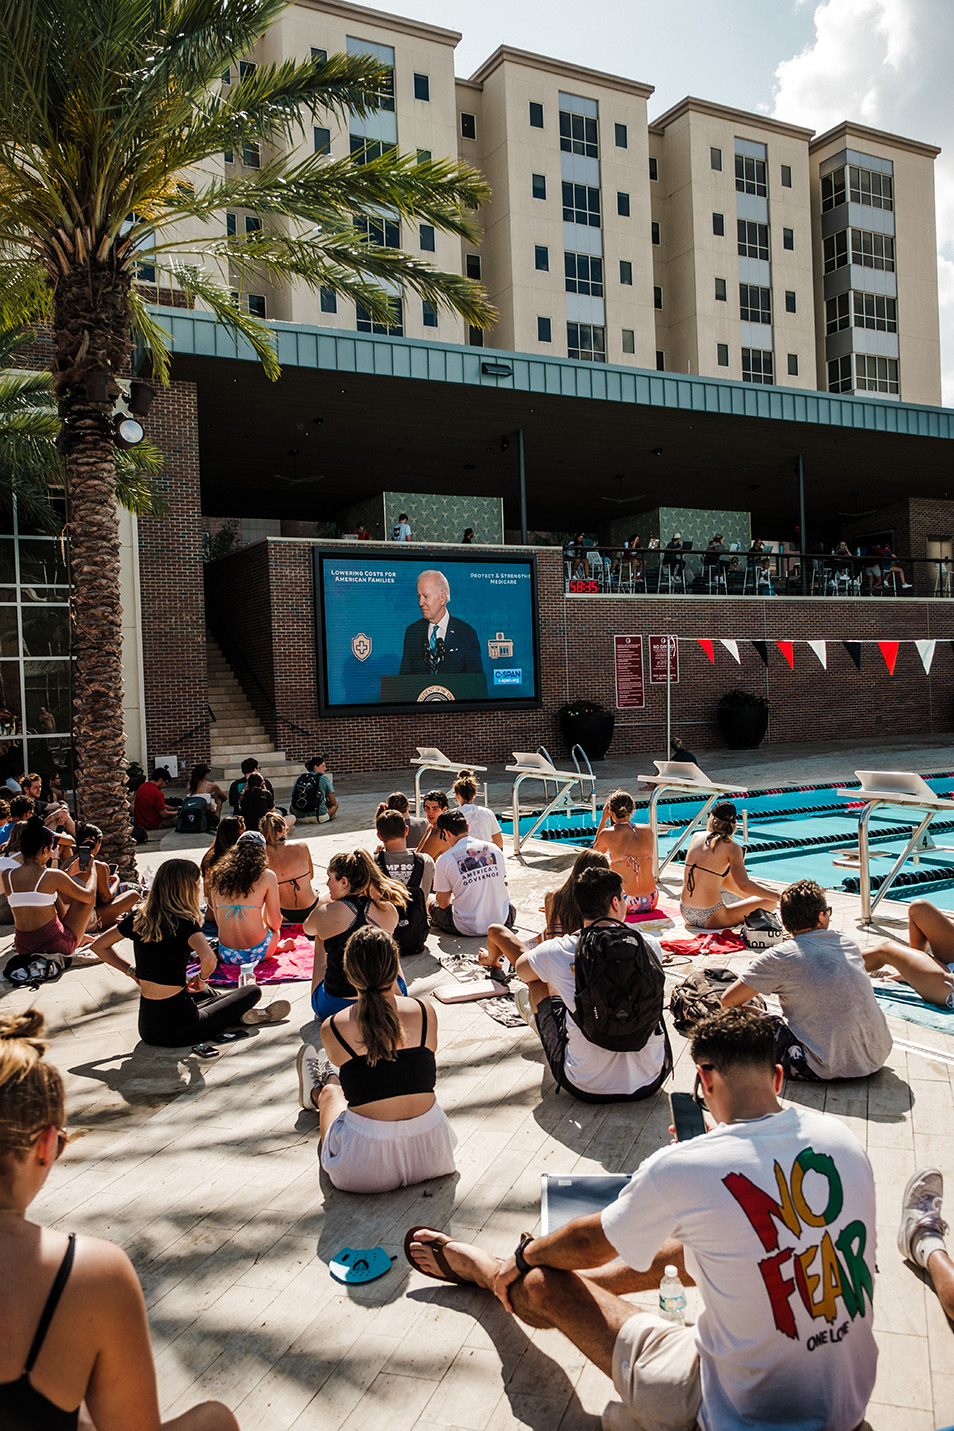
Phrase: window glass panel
(475, 337)
(835, 250)
(586, 342)
(578, 134)
(660, 361)
(427, 238)
(718, 225)
(715, 159)
(839, 375)
(41, 563)
(788, 238)
(322, 141)
(10, 723)
(654, 231)
(622, 136)
(46, 630)
(472, 264)
(622, 204)
(8, 571)
(256, 305)
(870, 188)
(538, 184)
(629, 340)
(793, 365)
(872, 310)
(47, 755)
(653, 168)
(790, 301)
(428, 314)
(753, 239)
(625, 272)
(584, 274)
(720, 290)
(750, 175)
(786, 176)
(833, 192)
(364, 323)
(872, 250)
(755, 303)
(423, 156)
(536, 115)
(9, 637)
(468, 130)
(836, 313)
(47, 690)
(657, 296)
(329, 300)
(581, 204)
(757, 366)
(541, 258)
(422, 87)
(722, 354)
(317, 54)
(544, 330)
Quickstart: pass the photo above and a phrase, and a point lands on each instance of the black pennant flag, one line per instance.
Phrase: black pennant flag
(854, 651)
(762, 648)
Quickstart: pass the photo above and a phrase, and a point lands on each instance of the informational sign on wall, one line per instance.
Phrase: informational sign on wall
(659, 648)
(630, 691)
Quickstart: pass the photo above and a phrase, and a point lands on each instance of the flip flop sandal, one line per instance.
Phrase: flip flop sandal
(435, 1246)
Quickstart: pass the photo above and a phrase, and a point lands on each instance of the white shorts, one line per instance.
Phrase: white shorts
(367, 1155)
(656, 1372)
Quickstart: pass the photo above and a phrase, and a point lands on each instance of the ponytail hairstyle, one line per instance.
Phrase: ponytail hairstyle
(255, 781)
(366, 880)
(621, 804)
(465, 787)
(31, 1090)
(397, 801)
(564, 910)
(227, 832)
(199, 773)
(240, 869)
(174, 895)
(34, 838)
(372, 964)
(272, 827)
(721, 823)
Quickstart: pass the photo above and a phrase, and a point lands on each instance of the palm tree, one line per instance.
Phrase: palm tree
(113, 121)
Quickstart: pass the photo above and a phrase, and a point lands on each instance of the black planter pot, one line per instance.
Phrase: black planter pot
(743, 727)
(593, 732)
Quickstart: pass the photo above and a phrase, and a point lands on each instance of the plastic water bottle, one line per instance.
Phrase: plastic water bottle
(148, 875)
(672, 1296)
(246, 974)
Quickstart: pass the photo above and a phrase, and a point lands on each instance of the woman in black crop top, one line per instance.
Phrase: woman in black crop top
(381, 1125)
(73, 1314)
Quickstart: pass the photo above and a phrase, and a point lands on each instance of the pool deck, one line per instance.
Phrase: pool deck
(206, 1172)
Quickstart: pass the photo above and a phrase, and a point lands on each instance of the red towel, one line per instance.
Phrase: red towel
(719, 941)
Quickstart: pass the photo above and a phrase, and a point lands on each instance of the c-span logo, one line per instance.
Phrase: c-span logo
(508, 678)
(361, 646)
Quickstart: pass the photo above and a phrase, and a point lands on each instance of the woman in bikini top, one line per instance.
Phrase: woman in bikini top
(703, 883)
(292, 867)
(245, 899)
(629, 848)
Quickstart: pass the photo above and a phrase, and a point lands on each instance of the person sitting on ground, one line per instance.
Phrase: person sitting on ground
(314, 793)
(14, 809)
(481, 822)
(922, 1232)
(677, 751)
(435, 803)
(414, 870)
(167, 937)
(237, 787)
(415, 825)
(719, 1209)
(292, 866)
(560, 907)
(214, 795)
(831, 1025)
(245, 902)
(54, 813)
(381, 1125)
(76, 1342)
(470, 881)
(585, 1069)
(112, 902)
(50, 908)
(149, 807)
(701, 899)
(227, 833)
(21, 809)
(256, 800)
(360, 894)
(631, 851)
(926, 962)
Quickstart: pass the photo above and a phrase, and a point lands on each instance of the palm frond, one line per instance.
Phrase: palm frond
(256, 333)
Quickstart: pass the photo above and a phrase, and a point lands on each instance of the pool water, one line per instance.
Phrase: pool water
(798, 832)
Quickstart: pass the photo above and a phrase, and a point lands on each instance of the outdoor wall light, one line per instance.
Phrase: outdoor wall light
(128, 432)
(497, 370)
(141, 395)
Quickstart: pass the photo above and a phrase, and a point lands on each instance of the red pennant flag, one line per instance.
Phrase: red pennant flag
(889, 650)
(787, 650)
(707, 647)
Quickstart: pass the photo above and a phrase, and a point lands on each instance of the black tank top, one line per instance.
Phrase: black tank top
(412, 1070)
(335, 982)
(22, 1407)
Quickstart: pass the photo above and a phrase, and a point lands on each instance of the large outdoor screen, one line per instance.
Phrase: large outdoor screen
(449, 628)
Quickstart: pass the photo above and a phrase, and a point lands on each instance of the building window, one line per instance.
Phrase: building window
(427, 237)
(753, 239)
(835, 251)
(253, 224)
(541, 258)
(584, 274)
(755, 304)
(788, 238)
(622, 204)
(622, 136)
(145, 273)
(320, 55)
(536, 115)
(793, 365)
(538, 185)
(839, 375)
(251, 155)
(475, 337)
(422, 90)
(718, 225)
(228, 156)
(472, 265)
(322, 141)
(720, 290)
(715, 159)
(468, 130)
(872, 250)
(871, 310)
(329, 300)
(722, 354)
(750, 175)
(653, 167)
(586, 342)
(790, 301)
(833, 193)
(876, 375)
(428, 314)
(246, 68)
(385, 233)
(230, 225)
(423, 156)
(626, 272)
(581, 205)
(837, 314)
(395, 329)
(654, 231)
(786, 176)
(364, 150)
(629, 340)
(660, 361)
(757, 366)
(256, 304)
(867, 187)
(544, 330)
(657, 296)
(578, 134)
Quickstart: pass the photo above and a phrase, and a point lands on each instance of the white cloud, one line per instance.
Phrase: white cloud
(886, 64)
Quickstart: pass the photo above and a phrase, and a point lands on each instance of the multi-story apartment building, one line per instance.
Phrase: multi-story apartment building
(710, 241)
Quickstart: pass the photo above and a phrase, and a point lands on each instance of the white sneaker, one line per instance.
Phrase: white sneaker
(323, 819)
(273, 1013)
(521, 998)
(921, 1213)
(314, 1071)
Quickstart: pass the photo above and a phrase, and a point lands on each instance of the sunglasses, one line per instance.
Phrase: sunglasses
(62, 1138)
(697, 1094)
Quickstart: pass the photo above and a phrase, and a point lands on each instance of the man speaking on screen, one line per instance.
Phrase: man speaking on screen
(438, 644)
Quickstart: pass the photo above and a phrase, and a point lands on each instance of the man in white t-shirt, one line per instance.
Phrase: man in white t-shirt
(470, 881)
(772, 1215)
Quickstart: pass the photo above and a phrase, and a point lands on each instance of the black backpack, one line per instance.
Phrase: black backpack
(304, 797)
(193, 817)
(619, 987)
(32, 970)
(411, 933)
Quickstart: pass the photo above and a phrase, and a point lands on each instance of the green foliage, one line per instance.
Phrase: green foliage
(741, 700)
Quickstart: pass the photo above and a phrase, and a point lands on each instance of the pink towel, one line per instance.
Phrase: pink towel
(285, 967)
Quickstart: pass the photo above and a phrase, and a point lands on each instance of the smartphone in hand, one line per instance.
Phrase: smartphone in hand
(686, 1116)
(85, 855)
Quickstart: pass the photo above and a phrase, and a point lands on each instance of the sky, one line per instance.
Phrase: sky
(888, 64)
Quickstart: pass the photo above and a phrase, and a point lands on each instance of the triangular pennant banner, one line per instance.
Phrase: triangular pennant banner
(762, 648)
(821, 651)
(787, 650)
(707, 647)
(854, 651)
(733, 649)
(926, 652)
(889, 650)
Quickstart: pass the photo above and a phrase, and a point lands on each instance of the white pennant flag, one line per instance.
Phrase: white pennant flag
(733, 649)
(820, 651)
(926, 652)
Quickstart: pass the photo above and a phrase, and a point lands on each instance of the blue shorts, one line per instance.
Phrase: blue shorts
(244, 956)
(324, 1005)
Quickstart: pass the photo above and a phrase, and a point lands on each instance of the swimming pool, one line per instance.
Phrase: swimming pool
(799, 832)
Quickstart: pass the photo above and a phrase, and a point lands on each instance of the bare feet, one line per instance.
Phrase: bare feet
(488, 960)
(468, 1262)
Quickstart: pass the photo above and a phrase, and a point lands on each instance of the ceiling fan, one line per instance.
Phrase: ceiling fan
(869, 513)
(621, 500)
